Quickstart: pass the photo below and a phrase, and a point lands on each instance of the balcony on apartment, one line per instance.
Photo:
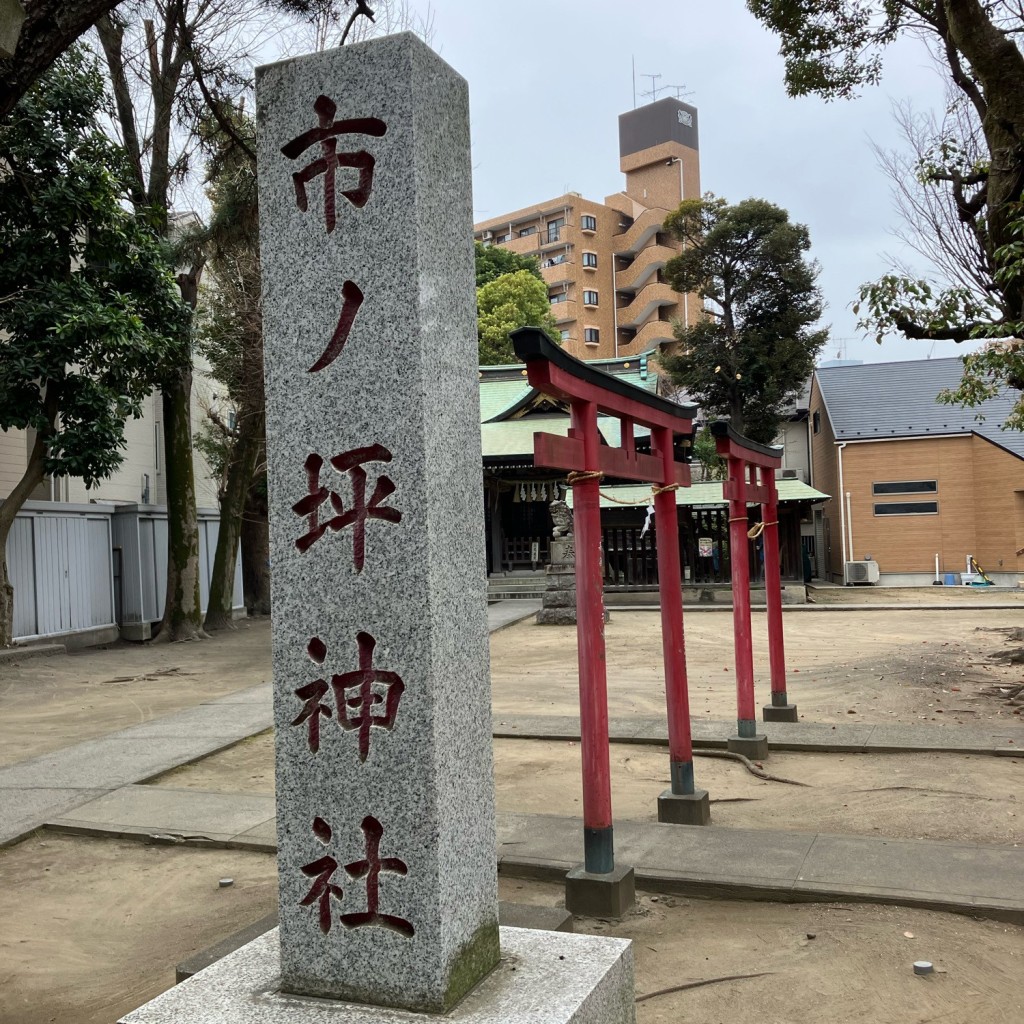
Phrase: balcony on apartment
(646, 301)
(648, 263)
(651, 335)
(639, 234)
(564, 312)
(558, 268)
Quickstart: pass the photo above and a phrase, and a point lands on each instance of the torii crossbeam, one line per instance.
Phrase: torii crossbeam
(589, 391)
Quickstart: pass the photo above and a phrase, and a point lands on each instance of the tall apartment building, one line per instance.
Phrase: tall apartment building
(604, 262)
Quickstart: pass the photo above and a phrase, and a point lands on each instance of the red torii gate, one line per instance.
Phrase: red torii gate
(588, 392)
(751, 478)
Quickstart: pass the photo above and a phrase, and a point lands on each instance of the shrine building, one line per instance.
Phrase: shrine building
(517, 494)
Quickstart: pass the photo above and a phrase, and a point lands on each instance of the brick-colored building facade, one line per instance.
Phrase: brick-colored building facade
(604, 263)
(910, 478)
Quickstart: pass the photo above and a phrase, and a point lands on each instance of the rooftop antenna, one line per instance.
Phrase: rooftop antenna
(654, 89)
(633, 62)
(680, 91)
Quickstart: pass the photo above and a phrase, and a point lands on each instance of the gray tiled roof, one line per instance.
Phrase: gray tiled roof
(898, 400)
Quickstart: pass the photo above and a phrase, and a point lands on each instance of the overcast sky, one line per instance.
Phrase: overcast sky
(548, 79)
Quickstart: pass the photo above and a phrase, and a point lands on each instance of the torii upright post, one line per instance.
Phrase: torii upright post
(749, 464)
(779, 710)
(599, 888)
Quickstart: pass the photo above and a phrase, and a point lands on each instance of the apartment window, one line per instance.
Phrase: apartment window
(588, 222)
(502, 238)
(907, 508)
(558, 297)
(555, 228)
(906, 487)
(590, 298)
(590, 259)
(591, 335)
(565, 335)
(817, 422)
(531, 230)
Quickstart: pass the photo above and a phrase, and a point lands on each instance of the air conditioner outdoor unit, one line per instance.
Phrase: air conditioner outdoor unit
(790, 474)
(488, 235)
(861, 572)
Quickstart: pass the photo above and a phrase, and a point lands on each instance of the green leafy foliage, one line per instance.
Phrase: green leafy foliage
(755, 346)
(492, 261)
(505, 303)
(89, 313)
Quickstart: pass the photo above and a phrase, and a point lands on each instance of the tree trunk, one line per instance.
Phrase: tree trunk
(9, 508)
(50, 27)
(183, 619)
(256, 549)
(232, 508)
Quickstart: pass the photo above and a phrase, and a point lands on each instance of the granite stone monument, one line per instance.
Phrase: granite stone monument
(385, 796)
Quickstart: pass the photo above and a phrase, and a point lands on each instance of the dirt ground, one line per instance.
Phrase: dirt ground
(107, 937)
(971, 799)
(50, 703)
(877, 666)
(62, 962)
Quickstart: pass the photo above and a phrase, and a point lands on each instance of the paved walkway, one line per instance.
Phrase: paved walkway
(704, 861)
(95, 787)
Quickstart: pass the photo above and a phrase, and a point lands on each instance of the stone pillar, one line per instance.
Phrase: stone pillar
(385, 796)
(558, 602)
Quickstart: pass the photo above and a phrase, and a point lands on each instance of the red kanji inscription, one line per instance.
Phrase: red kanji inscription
(353, 297)
(371, 868)
(350, 462)
(322, 870)
(312, 693)
(359, 705)
(330, 159)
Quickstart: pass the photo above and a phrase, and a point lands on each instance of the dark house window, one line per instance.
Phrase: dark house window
(907, 508)
(817, 422)
(592, 335)
(589, 298)
(906, 487)
(590, 259)
(588, 223)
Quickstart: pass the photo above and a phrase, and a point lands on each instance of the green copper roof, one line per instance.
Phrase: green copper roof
(701, 494)
(508, 438)
(499, 393)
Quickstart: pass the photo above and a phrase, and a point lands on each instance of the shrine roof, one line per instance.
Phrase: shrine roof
(506, 438)
(709, 493)
(504, 389)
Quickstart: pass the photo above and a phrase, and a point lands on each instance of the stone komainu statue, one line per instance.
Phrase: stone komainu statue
(561, 517)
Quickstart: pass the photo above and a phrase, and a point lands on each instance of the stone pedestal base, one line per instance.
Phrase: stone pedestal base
(780, 713)
(754, 747)
(543, 977)
(611, 895)
(684, 809)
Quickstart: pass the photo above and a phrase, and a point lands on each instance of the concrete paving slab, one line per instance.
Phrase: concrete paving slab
(231, 722)
(262, 693)
(24, 809)
(156, 810)
(110, 761)
(709, 861)
(933, 870)
(852, 738)
(261, 838)
(950, 739)
(502, 614)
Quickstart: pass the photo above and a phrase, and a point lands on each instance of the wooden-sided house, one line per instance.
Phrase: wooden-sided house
(918, 487)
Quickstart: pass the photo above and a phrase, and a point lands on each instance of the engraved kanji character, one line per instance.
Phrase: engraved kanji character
(370, 868)
(362, 707)
(322, 870)
(353, 299)
(361, 510)
(311, 693)
(329, 160)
